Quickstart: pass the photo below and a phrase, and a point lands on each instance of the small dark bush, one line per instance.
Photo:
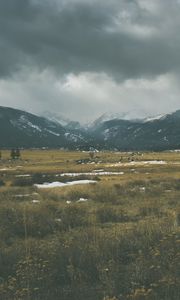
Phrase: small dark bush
(22, 182)
(2, 183)
(16, 220)
(74, 216)
(150, 210)
(108, 214)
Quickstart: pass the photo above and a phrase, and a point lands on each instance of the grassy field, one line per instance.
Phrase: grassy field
(117, 238)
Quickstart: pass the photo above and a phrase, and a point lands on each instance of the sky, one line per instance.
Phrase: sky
(83, 58)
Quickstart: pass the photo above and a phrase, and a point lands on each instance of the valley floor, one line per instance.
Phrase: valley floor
(75, 227)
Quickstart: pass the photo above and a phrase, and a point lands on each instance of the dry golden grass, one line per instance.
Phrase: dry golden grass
(122, 243)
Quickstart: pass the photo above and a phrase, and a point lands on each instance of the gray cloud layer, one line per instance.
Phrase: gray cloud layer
(124, 39)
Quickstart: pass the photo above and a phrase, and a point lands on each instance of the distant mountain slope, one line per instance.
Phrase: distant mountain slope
(154, 134)
(21, 129)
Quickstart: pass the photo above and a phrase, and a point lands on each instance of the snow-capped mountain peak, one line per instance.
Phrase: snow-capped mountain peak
(22, 129)
(154, 118)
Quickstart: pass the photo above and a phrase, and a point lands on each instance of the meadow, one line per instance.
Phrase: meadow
(115, 238)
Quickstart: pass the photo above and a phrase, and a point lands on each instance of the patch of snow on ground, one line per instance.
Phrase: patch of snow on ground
(61, 184)
(7, 169)
(35, 201)
(155, 162)
(139, 163)
(142, 189)
(23, 175)
(82, 200)
(21, 195)
(176, 150)
(100, 173)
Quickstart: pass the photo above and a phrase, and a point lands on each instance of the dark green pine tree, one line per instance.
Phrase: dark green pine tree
(18, 154)
(13, 154)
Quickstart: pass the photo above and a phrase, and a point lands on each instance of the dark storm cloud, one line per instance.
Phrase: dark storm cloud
(126, 39)
(82, 58)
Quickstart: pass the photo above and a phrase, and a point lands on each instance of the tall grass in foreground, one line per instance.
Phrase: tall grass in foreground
(122, 243)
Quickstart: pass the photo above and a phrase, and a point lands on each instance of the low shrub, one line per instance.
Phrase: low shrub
(2, 183)
(108, 213)
(74, 216)
(32, 220)
(150, 210)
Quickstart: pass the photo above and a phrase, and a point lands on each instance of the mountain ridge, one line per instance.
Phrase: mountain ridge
(26, 130)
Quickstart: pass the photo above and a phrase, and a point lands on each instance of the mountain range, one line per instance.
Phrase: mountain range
(25, 130)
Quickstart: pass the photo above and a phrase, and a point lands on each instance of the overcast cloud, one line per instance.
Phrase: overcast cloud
(82, 58)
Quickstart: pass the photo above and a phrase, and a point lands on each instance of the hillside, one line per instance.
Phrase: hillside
(22, 129)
